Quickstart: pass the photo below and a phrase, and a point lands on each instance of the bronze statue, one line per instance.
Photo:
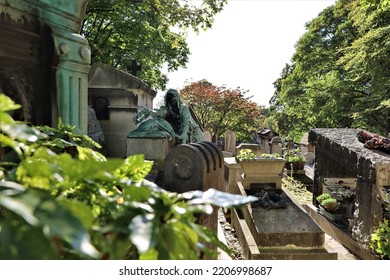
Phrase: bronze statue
(173, 120)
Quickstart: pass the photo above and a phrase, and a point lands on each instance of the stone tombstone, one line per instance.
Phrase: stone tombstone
(95, 130)
(207, 135)
(290, 145)
(230, 142)
(339, 154)
(276, 145)
(265, 136)
(44, 61)
(306, 146)
(309, 158)
(116, 96)
(195, 166)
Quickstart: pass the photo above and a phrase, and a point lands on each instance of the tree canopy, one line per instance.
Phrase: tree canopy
(339, 73)
(151, 33)
(220, 109)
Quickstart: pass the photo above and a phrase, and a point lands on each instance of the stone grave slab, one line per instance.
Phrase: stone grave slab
(279, 233)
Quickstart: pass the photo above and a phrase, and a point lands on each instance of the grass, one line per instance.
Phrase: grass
(298, 190)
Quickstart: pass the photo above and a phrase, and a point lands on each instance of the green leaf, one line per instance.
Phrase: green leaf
(152, 254)
(141, 228)
(136, 193)
(23, 205)
(178, 241)
(218, 198)
(19, 240)
(38, 172)
(39, 210)
(75, 170)
(46, 169)
(15, 145)
(80, 210)
(134, 168)
(22, 132)
(7, 104)
(59, 222)
(6, 118)
(89, 154)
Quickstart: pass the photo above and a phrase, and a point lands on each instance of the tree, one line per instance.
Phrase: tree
(220, 109)
(367, 64)
(339, 73)
(146, 34)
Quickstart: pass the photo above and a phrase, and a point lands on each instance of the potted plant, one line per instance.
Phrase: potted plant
(263, 168)
(245, 154)
(294, 159)
(329, 207)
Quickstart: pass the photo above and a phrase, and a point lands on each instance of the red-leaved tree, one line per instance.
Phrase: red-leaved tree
(220, 109)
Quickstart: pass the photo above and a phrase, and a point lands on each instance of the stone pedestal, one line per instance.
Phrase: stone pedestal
(266, 173)
(152, 149)
(232, 174)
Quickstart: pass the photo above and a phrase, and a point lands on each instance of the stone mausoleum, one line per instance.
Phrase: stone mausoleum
(116, 96)
(44, 61)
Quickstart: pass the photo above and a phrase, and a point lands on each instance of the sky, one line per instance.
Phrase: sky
(248, 45)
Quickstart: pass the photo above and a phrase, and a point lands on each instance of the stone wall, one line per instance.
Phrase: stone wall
(339, 154)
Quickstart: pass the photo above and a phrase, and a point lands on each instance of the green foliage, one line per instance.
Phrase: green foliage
(246, 154)
(270, 156)
(61, 200)
(151, 32)
(339, 73)
(380, 240)
(323, 197)
(293, 155)
(328, 203)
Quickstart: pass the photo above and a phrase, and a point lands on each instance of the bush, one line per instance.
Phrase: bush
(60, 199)
(380, 240)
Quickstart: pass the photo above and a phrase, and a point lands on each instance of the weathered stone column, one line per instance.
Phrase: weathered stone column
(44, 62)
(74, 58)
